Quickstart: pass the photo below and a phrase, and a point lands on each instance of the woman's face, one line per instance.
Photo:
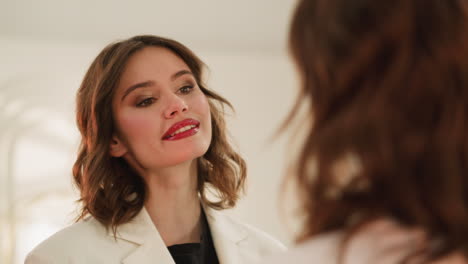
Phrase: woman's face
(161, 116)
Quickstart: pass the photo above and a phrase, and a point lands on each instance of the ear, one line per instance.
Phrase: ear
(117, 148)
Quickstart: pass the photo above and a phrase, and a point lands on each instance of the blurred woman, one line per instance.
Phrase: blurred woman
(382, 174)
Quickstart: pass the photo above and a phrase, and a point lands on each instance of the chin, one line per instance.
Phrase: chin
(187, 155)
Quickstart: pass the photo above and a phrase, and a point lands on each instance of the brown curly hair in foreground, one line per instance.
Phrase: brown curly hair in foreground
(386, 83)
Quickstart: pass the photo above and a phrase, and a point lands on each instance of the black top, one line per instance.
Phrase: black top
(196, 253)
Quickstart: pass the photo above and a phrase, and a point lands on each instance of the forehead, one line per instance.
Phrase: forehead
(152, 63)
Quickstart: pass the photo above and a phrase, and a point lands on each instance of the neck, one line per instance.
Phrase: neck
(173, 203)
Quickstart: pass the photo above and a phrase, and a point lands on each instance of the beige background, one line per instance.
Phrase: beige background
(45, 48)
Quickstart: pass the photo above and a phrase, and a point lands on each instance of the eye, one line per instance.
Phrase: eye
(186, 89)
(146, 102)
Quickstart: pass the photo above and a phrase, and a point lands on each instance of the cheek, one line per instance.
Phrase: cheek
(135, 126)
(201, 109)
(204, 110)
(202, 106)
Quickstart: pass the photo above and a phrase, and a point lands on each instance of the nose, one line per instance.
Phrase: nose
(175, 106)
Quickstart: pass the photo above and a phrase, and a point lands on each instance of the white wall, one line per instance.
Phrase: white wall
(38, 81)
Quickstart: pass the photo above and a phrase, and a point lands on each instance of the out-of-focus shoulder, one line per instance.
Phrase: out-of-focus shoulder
(322, 249)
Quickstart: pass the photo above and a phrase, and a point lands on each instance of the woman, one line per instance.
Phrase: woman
(382, 174)
(153, 143)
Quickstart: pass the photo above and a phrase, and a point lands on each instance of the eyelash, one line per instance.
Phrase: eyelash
(150, 100)
(190, 87)
(146, 102)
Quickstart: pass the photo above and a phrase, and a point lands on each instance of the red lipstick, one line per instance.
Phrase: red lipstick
(182, 129)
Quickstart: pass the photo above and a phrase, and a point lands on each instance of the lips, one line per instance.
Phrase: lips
(182, 129)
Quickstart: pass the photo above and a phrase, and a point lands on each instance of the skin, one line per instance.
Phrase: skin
(142, 116)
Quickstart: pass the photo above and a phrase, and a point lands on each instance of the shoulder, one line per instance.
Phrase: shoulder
(81, 232)
(322, 249)
(71, 243)
(364, 246)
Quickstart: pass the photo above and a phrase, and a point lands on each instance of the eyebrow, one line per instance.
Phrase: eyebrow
(150, 83)
(180, 73)
(136, 86)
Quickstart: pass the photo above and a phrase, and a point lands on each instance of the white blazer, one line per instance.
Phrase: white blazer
(139, 242)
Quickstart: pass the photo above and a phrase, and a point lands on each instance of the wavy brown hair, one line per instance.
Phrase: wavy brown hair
(111, 191)
(386, 85)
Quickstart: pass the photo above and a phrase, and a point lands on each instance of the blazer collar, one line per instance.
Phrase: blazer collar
(226, 236)
(225, 233)
(151, 247)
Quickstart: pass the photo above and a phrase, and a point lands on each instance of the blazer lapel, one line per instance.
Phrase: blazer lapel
(151, 248)
(226, 237)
